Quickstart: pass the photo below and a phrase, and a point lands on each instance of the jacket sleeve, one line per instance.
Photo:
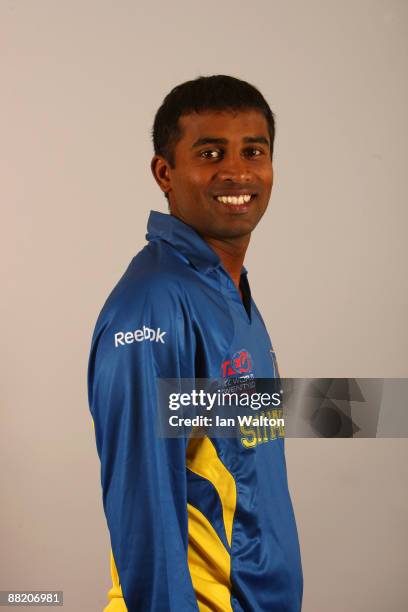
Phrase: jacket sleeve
(143, 476)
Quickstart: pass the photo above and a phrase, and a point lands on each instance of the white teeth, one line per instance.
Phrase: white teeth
(242, 199)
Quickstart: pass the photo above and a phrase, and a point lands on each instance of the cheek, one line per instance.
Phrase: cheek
(190, 179)
(199, 178)
(267, 178)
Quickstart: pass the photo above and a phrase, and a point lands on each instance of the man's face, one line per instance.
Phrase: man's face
(222, 179)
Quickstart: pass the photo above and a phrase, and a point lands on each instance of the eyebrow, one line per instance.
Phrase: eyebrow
(223, 141)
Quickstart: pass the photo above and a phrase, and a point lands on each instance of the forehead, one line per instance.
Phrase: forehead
(232, 125)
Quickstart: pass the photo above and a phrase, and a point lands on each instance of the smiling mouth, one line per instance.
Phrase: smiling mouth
(238, 200)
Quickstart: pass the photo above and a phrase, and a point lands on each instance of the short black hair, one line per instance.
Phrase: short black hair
(218, 92)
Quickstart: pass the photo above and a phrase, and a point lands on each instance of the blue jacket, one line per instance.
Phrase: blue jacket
(201, 524)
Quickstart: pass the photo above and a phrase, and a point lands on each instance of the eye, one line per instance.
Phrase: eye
(253, 152)
(211, 154)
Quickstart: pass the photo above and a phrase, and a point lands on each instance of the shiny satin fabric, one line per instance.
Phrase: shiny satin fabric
(205, 524)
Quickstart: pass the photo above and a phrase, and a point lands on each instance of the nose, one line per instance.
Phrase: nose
(235, 169)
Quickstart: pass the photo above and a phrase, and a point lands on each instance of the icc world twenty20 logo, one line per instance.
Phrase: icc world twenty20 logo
(239, 364)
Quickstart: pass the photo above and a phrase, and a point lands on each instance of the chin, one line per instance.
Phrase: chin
(238, 230)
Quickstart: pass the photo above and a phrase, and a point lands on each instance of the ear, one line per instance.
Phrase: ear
(161, 171)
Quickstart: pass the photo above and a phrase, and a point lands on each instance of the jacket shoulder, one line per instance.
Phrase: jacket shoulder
(155, 281)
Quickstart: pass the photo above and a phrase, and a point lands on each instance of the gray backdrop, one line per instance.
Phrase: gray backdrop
(80, 82)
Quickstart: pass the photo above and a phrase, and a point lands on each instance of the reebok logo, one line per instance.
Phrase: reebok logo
(139, 335)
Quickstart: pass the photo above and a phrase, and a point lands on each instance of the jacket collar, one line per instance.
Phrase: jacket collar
(185, 239)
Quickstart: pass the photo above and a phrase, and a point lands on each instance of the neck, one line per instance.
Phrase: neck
(232, 254)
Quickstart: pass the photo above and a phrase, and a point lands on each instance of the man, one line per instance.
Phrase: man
(201, 523)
